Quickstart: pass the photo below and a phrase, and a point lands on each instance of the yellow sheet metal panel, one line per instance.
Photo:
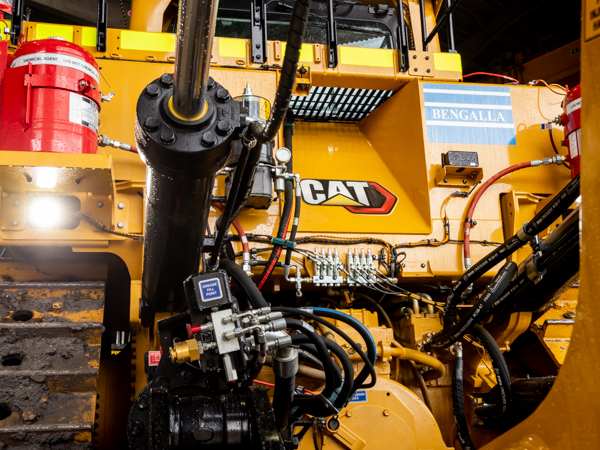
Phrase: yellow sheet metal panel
(355, 56)
(232, 48)
(140, 40)
(450, 62)
(89, 36)
(306, 52)
(46, 30)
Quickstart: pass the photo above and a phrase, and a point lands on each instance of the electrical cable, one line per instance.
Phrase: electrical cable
(97, 224)
(514, 80)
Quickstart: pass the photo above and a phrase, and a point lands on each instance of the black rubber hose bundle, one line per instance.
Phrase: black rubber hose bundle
(540, 222)
(283, 224)
(256, 298)
(492, 293)
(348, 380)
(282, 400)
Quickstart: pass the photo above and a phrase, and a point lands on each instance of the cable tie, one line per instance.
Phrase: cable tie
(283, 242)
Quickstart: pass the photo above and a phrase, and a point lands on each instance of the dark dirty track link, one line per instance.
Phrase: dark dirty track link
(50, 337)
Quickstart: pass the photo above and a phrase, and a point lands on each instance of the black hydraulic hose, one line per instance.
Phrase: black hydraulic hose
(236, 272)
(287, 78)
(421, 383)
(369, 358)
(226, 218)
(282, 400)
(500, 370)
(283, 224)
(494, 290)
(540, 222)
(458, 403)
(316, 340)
(348, 380)
(310, 349)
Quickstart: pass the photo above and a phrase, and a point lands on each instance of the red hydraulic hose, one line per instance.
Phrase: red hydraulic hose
(473, 204)
(278, 253)
(238, 228)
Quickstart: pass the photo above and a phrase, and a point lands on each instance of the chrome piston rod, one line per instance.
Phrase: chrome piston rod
(197, 19)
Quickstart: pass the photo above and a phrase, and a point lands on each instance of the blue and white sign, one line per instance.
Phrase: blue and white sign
(459, 114)
(210, 289)
(359, 397)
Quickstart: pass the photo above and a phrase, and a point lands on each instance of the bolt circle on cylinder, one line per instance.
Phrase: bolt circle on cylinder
(152, 123)
(211, 83)
(135, 428)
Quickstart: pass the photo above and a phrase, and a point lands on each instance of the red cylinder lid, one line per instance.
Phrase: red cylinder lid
(66, 53)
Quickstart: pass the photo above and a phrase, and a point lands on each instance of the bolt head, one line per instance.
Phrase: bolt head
(121, 225)
(121, 205)
(414, 56)
(167, 136)
(464, 181)
(209, 139)
(348, 413)
(143, 402)
(223, 127)
(427, 58)
(152, 90)
(151, 123)
(166, 79)
(386, 412)
(416, 69)
(99, 204)
(222, 95)
(187, 375)
(428, 70)
(211, 83)
(15, 223)
(135, 428)
(423, 265)
(445, 180)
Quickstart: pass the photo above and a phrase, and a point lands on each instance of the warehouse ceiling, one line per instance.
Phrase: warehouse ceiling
(491, 35)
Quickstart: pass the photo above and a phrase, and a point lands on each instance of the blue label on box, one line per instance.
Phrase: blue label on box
(359, 397)
(467, 114)
(211, 290)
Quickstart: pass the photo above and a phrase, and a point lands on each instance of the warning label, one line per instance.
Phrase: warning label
(83, 111)
(56, 59)
(592, 19)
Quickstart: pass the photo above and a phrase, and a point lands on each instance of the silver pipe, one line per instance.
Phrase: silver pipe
(197, 19)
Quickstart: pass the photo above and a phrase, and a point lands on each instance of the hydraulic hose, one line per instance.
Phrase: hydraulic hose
(540, 222)
(348, 380)
(416, 356)
(324, 357)
(369, 360)
(311, 350)
(282, 400)
(236, 272)
(238, 227)
(287, 78)
(473, 204)
(494, 290)
(501, 372)
(295, 222)
(422, 385)
(458, 403)
(281, 233)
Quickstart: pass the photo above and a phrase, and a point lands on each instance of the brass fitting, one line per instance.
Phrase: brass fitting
(185, 351)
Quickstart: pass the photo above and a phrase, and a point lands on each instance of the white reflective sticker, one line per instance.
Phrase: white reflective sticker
(574, 106)
(83, 111)
(56, 59)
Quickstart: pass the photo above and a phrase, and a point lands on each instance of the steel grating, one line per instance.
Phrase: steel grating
(324, 104)
(50, 336)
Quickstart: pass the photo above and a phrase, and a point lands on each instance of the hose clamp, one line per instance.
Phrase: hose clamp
(522, 234)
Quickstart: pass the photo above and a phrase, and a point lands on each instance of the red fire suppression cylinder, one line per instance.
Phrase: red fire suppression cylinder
(50, 99)
(571, 120)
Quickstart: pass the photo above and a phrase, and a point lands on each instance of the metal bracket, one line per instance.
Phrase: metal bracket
(102, 25)
(258, 22)
(17, 21)
(402, 38)
(332, 36)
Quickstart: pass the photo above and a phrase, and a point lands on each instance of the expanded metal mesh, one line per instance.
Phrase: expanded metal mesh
(324, 104)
